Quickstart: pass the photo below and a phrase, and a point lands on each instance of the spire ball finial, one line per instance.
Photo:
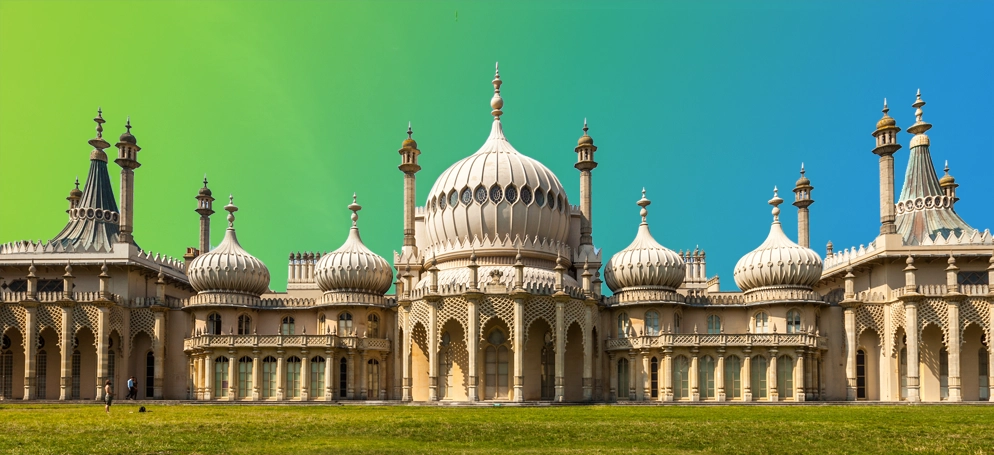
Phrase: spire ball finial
(947, 167)
(886, 109)
(231, 208)
(497, 102)
(802, 168)
(205, 180)
(355, 208)
(127, 124)
(775, 202)
(410, 132)
(643, 203)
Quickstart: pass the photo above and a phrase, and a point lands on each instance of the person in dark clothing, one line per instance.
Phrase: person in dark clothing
(132, 388)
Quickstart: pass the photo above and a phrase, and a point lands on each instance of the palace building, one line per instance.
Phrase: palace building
(497, 296)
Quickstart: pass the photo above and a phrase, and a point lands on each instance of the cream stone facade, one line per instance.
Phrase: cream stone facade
(497, 297)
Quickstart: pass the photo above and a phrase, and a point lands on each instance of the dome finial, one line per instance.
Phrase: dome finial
(497, 102)
(231, 208)
(918, 106)
(802, 168)
(127, 124)
(886, 109)
(205, 180)
(643, 203)
(100, 121)
(585, 126)
(355, 208)
(77, 177)
(410, 132)
(775, 202)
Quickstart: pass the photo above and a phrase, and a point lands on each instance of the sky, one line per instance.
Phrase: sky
(293, 106)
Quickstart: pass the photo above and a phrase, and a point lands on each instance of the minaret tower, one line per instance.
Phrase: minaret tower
(886, 135)
(802, 199)
(409, 166)
(205, 204)
(947, 182)
(585, 163)
(76, 194)
(127, 158)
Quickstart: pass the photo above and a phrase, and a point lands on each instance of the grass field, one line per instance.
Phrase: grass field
(47, 428)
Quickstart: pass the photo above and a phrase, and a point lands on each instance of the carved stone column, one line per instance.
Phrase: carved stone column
(850, 323)
(432, 346)
(102, 329)
(799, 376)
(668, 373)
(695, 377)
(159, 349)
(911, 329)
(256, 376)
(588, 350)
(350, 381)
(280, 374)
(329, 375)
(613, 375)
(232, 374)
(68, 345)
(719, 376)
(519, 348)
(31, 348)
(772, 373)
(560, 349)
(363, 375)
(473, 347)
(305, 375)
(747, 374)
(955, 381)
(646, 372)
(209, 379)
(406, 354)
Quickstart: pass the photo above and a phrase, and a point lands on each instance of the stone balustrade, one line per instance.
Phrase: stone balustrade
(200, 342)
(714, 340)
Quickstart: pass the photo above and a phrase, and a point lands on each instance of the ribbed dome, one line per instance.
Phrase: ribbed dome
(497, 194)
(645, 264)
(778, 262)
(228, 269)
(353, 267)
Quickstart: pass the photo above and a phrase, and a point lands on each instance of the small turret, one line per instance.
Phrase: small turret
(802, 200)
(127, 158)
(75, 195)
(886, 136)
(585, 163)
(205, 207)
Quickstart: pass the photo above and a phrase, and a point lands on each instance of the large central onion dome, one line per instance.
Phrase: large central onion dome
(496, 195)
(353, 268)
(229, 269)
(645, 264)
(778, 263)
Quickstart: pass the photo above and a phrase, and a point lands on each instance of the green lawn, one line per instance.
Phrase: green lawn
(47, 428)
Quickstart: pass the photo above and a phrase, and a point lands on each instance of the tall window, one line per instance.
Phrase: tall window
(244, 376)
(317, 377)
(322, 324)
(984, 366)
(288, 327)
(762, 324)
(344, 324)
(444, 366)
(903, 372)
(793, 321)
(623, 382)
(651, 323)
(785, 377)
(221, 377)
(373, 379)
(758, 366)
(677, 322)
(943, 374)
(269, 377)
(681, 378)
(149, 374)
(496, 367)
(7, 370)
(42, 370)
(705, 376)
(214, 324)
(861, 374)
(654, 377)
(110, 366)
(624, 325)
(75, 372)
(343, 378)
(292, 377)
(714, 324)
(733, 378)
(548, 368)
(244, 324)
(373, 326)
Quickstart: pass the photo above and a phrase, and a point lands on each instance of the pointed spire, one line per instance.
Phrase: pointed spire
(231, 209)
(643, 203)
(775, 202)
(920, 126)
(355, 208)
(98, 143)
(497, 102)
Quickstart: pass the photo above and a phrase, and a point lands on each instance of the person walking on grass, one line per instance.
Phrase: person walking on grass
(108, 396)
(132, 388)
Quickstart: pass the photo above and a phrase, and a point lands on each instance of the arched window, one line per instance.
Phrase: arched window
(496, 374)
(624, 325)
(733, 378)
(623, 381)
(244, 376)
(548, 368)
(943, 374)
(244, 324)
(373, 379)
(651, 323)
(221, 377)
(317, 376)
(344, 324)
(343, 378)
(983, 363)
(793, 321)
(42, 374)
(214, 324)
(902, 371)
(372, 326)
(705, 377)
(269, 377)
(714, 324)
(681, 378)
(292, 378)
(150, 374)
(654, 377)
(785, 377)
(677, 322)
(762, 324)
(288, 327)
(861, 374)
(758, 366)
(322, 324)
(444, 366)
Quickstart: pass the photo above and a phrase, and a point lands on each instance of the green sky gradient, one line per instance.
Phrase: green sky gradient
(293, 106)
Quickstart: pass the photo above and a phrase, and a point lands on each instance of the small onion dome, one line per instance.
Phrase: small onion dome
(229, 269)
(127, 136)
(353, 267)
(778, 262)
(886, 120)
(803, 181)
(947, 179)
(76, 193)
(585, 139)
(205, 191)
(645, 264)
(410, 143)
